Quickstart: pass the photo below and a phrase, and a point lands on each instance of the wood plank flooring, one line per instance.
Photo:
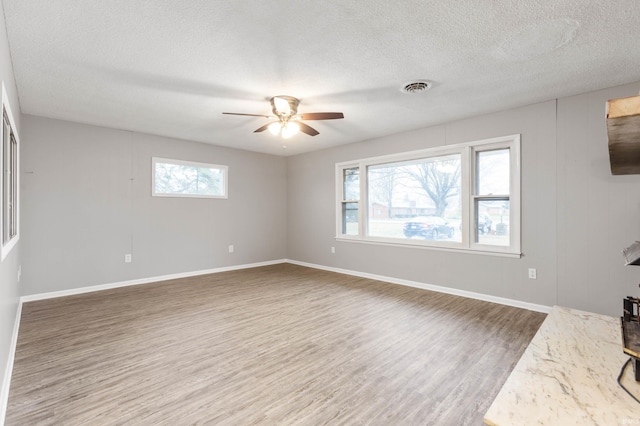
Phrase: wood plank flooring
(281, 344)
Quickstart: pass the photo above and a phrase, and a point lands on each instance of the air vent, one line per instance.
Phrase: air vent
(419, 86)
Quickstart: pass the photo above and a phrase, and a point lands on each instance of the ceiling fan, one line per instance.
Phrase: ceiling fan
(285, 110)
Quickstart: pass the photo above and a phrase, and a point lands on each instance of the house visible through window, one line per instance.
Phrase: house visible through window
(9, 180)
(176, 178)
(462, 196)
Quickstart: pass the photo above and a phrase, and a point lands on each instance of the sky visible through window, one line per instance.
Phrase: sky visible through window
(182, 179)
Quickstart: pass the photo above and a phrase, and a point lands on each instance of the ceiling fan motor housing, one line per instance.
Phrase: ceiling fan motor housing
(284, 106)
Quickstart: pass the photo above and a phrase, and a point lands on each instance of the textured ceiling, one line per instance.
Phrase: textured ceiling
(172, 67)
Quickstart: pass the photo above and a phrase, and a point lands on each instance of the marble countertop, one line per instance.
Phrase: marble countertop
(567, 376)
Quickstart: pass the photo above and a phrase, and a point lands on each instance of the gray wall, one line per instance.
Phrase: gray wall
(9, 289)
(87, 202)
(576, 217)
(598, 214)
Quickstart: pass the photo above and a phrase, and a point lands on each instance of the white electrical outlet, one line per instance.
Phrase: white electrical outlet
(333, 250)
(127, 258)
(533, 274)
(19, 272)
(231, 248)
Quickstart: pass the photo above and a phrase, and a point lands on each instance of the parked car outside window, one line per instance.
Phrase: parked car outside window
(429, 227)
(484, 224)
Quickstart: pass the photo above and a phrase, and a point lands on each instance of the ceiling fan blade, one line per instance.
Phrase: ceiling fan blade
(248, 115)
(321, 116)
(263, 128)
(307, 129)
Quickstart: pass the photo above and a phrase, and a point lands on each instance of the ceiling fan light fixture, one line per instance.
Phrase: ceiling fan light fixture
(289, 129)
(274, 128)
(418, 86)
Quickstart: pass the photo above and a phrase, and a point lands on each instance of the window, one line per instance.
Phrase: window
(350, 200)
(9, 216)
(460, 197)
(491, 197)
(175, 178)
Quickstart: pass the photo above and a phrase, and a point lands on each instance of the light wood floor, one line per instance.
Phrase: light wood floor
(280, 344)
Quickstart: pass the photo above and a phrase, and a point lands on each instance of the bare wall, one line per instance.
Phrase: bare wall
(576, 217)
(598, 213)
(87, 202)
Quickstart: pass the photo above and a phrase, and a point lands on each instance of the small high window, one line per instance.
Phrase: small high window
(176, 178)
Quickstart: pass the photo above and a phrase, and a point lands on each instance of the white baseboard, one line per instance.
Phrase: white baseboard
(456, 292)
(4, 392)
(416, 284)
(71, 292)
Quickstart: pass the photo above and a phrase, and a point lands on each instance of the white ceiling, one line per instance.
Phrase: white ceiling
(172, 67)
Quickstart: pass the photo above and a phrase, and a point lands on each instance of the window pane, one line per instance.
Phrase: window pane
(8, 176)
(13, 193)
(492, 168)
(350, 218)
(417, 199)
(492, 222)
(189, 179)
(9, 198)
(351, 184)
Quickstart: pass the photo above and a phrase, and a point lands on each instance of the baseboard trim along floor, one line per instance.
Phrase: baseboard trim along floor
(89, 289)
(440, 289)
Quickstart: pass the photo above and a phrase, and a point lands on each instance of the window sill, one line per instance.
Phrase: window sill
(6, 249)
(430, 247)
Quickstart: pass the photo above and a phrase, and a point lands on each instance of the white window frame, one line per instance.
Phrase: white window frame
(467, 151)
(7, 246)
(343, 201)
(225, 177)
